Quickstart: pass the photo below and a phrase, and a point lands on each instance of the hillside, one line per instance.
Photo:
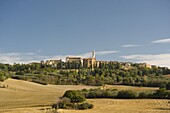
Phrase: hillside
(23, 97)
(68, 73)
(21, 94)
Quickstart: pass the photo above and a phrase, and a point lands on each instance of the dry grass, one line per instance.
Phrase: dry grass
(126, 106)
(167, 76)
(136, 88)
(27, 97)
(23, 94)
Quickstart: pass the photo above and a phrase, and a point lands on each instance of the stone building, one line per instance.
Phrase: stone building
(98, 63)
(90, 62)
(145, 65)
(74, 59)
(52, 63)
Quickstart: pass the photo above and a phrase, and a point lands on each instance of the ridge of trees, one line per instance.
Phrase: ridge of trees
(74, 73)
(124, 94)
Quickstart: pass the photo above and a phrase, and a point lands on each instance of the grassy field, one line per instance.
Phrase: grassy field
(27, 97)
(126, 106)
(23, 94)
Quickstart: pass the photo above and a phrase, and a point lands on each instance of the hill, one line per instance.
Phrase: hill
(23, 94)
(23, 97)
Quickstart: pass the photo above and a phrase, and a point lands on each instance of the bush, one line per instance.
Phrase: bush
(65, 100)
(85, 90)
(143, 95)
(85, 106)
(92, 94)
(75, 96)
(161, 94)
(168, 86)
(162, 86)
(2, 76)
(126, 94)
(101, 94)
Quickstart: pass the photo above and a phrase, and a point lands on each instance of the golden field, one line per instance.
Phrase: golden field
(27, 97)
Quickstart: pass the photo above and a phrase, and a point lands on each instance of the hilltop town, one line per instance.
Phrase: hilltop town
(89, 71)
(91, 62)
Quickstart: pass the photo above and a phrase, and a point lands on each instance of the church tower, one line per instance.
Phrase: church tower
(93, 54)
(93, 60)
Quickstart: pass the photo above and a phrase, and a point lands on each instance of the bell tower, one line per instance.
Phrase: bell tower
(93, 54)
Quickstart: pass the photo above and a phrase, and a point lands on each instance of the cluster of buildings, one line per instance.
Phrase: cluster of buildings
(91, 62)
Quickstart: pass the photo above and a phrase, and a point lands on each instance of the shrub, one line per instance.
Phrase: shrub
(2, 77)
(75, 96)
(160, 94)
(84, 90)
(126, 94)
(65, 100)
(92, 94)
(143, 95)
(162, 86)
(85, 106)
(101, 94)
(168, 86)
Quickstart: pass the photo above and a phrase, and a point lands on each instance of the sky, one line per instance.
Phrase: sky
(118, 30)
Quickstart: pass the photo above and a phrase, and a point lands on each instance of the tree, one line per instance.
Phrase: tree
(168, 86)
(126, 94)
(2, 76)
(75, 96)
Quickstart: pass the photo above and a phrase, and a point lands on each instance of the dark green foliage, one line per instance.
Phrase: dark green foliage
(161, 94)
(72, 73)
(168, 86)
(85, 90)
(145, 95)
(2, 77)
(75, 96)
(162, 86)
(72, 99)
(66, 105)
(85, 105)
(63, 105)
(126, 94)
(101, 94)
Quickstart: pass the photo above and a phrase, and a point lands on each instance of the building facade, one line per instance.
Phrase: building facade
(89, 62)
(74, 59)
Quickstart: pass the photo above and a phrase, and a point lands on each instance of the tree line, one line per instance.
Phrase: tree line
(73, 73)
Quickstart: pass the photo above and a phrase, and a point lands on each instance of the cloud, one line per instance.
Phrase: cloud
(84, 55)
(28, 57)
(130, 45)
(154, 59)
(25, 58)
(105, 52)
(167, 40)
(98, 53)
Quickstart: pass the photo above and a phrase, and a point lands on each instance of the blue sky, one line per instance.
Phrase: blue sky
(123, 30)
